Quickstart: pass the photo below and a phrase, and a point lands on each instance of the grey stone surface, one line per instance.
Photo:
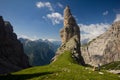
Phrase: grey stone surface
(105, 48)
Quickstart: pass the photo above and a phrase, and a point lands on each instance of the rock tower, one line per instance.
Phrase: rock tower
(70, 36)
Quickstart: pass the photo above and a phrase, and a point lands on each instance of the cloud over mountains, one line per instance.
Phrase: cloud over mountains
(117, 17)
(88, 32)
(91, 31)
(55, 17)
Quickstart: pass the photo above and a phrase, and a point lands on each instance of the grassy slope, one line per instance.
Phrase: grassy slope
(113, 65)
(62, 69)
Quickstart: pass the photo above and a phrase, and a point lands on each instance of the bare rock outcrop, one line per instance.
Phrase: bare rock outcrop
(105, 48)
(12, 57)
(70, 36)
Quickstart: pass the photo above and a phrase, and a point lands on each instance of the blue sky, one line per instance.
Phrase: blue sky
(43, 18)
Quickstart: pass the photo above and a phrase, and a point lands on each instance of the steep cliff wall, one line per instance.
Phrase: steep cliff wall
(12, 57)
(105, 48)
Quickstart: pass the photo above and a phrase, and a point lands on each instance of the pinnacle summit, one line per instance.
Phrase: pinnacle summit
(70, 36)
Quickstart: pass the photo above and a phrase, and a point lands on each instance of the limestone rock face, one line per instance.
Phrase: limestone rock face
(70, 27)
(70, 36)
(12, 57)
(105, 48)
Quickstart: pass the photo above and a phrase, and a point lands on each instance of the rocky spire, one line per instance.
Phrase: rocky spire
(70, 36)
(70, 27)
(68, 18)
(12, 57)
(67, 14)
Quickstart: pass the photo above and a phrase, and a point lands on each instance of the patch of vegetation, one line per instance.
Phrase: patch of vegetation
(112, 66)
(64, 68)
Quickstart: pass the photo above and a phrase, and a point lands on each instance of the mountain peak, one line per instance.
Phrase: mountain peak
(1, 21)
(70, 36)
(68, 18)
(67, 11)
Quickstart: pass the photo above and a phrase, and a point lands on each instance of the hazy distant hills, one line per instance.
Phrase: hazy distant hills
(40, 52)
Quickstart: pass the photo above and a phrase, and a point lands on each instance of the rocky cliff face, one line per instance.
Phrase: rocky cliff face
(12, 57)
(105, 48)
(70, 35)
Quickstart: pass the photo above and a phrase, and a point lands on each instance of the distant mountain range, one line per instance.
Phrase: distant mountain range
(40, 52)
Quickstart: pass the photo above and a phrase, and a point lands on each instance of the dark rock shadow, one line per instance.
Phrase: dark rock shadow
(22, 76)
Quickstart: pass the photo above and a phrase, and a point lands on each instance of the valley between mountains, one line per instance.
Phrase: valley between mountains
(24, 59)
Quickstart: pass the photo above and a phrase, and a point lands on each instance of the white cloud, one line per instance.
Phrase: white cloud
(45, 4)
(55, 17)
(60, 5)
(28, 37)
(34, 38)
(117, 18)
(51, 40)
(105, 13)
(93, 30)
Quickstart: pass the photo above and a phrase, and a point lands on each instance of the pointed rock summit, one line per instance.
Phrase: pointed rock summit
(68, 18)
(70, 28)
(12, 57)
(105, 48)
(70, 36)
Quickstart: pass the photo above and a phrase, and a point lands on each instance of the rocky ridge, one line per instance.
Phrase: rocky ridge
(12, 57)
(70, 36)
(105, 48)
